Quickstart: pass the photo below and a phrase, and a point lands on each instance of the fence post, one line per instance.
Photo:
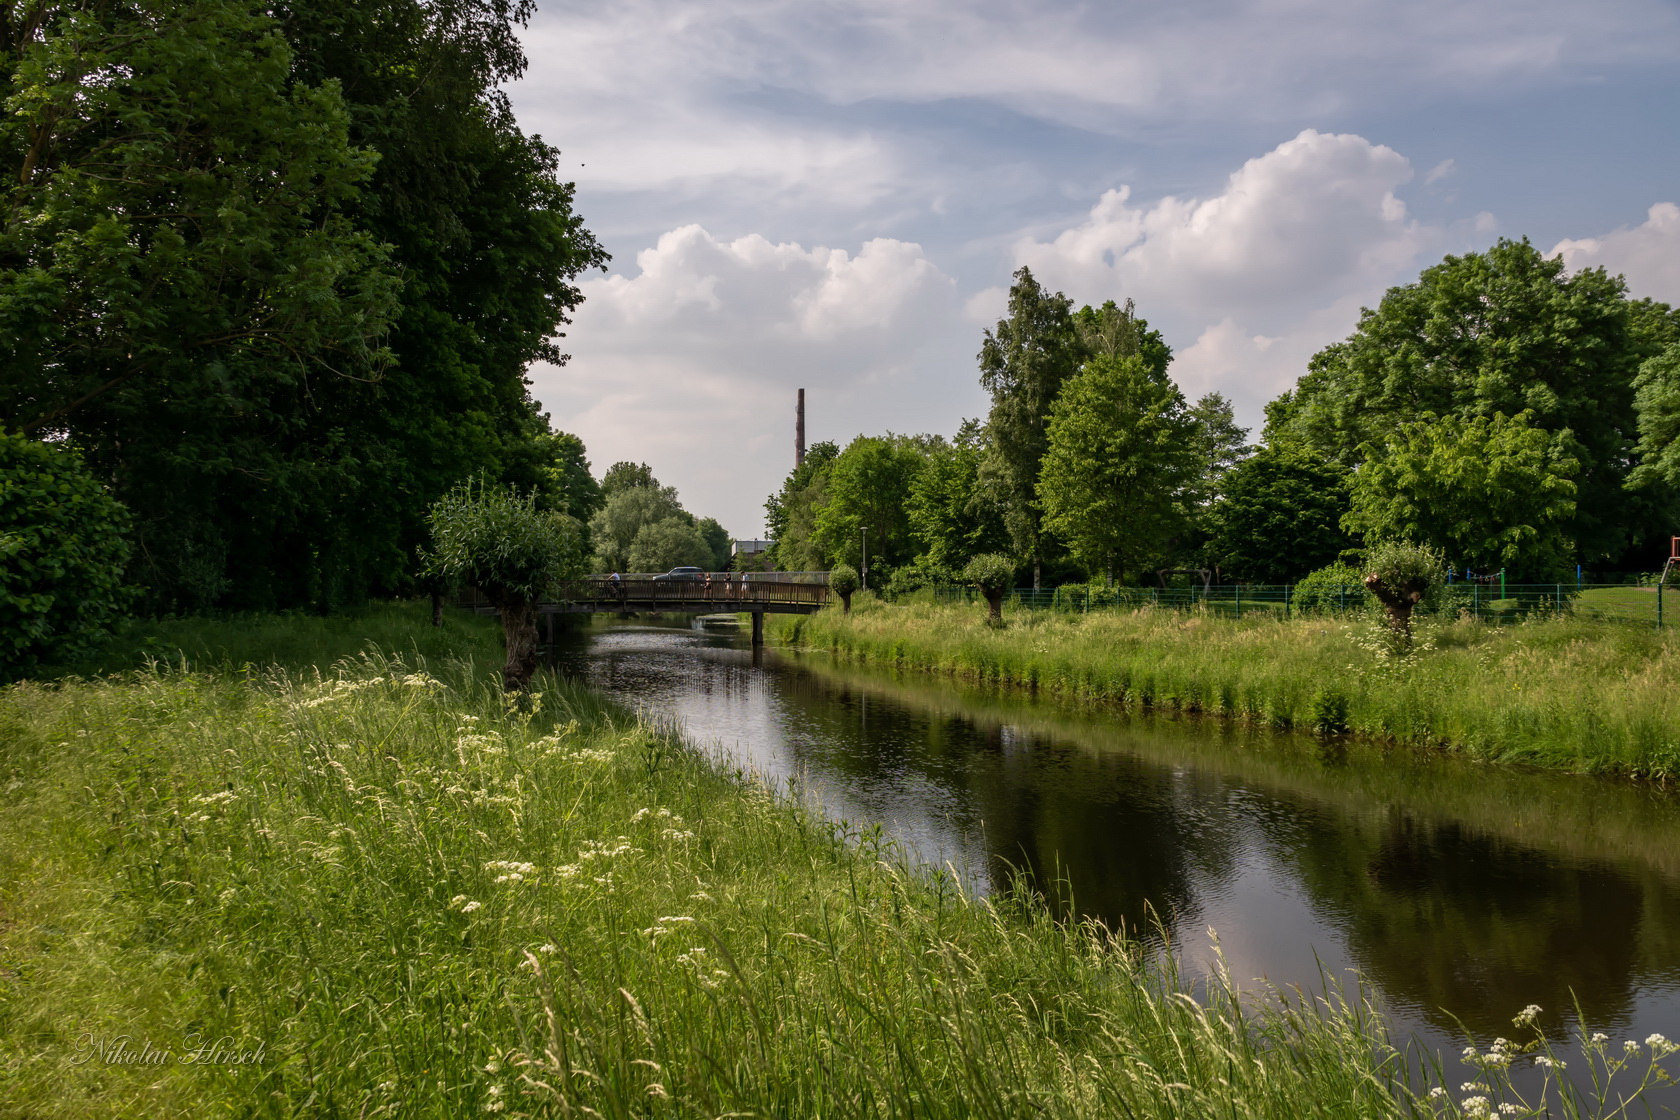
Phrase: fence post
(1286, 602)
(1659, 603)
(1559, 606)
(1475, 600)
(1239, 600)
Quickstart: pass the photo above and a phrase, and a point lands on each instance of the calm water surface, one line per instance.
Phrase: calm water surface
(1460, 893)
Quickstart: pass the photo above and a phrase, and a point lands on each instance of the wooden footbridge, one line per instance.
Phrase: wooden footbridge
(754, 593)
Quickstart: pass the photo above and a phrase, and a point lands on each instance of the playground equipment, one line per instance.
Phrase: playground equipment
(1673, 559)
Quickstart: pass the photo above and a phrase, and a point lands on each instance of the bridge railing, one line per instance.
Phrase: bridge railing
(718, 592)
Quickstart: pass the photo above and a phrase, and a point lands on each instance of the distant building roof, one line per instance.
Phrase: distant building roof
(749, 548)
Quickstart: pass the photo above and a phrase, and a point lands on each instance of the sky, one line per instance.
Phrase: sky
(833, 194)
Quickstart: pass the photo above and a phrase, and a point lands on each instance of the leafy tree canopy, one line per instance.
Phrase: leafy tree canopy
(1501, 332)
(790, 515)
(626, 476)
(1657, 399)
(1122, 451)
(1486, 492)
(953, 517)
(868, 488)
(620, 521)
(1024, 362)
(1279, 516)
(671, 543)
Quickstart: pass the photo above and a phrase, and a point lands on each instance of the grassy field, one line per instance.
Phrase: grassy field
(1565, 694)
(256, 880)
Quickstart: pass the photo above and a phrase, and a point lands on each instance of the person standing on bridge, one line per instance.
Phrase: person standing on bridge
(617, 586)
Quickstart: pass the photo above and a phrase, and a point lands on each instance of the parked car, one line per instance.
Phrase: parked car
(681, 573)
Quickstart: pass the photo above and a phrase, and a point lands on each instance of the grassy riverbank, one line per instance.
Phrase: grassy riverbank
(1568, 695)
(407, 899)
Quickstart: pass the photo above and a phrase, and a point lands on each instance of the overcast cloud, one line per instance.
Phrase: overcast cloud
(834, 195)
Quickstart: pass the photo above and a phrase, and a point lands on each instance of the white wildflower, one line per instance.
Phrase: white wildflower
(1630, 1047)
(1599, 1038)
(1437, 1093)
(1474, 1106)
(470, 907)
(1527, 1016)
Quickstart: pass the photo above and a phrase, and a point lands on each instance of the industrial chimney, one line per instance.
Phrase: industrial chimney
(799, 432)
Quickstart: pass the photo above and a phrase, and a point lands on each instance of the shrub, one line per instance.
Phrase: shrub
(1331, 588)
(501, 543)
(62, 555)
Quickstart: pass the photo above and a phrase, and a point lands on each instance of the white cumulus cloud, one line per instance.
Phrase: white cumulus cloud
(1648, 255)
(1315, 215)
(690, 362)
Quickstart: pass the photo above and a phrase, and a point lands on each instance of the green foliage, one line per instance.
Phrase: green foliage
(275, 175)
(1332, 588)
(1221, 443)
(790, 515)
(1657, 398)
(62, 554)
(186, 204)
(1565, 694)
(953, 516)
(1488, 492)
(717, 542)
(1024, 362)
(843, 579)
(993, 573)
(565, 484)
(1113, 331)
(868, 487)
(492, 538)
(1279, 515)
(627, 511)
(626, 475)
(1122, 451)
(1404, 577)
(673, 542)
(1500, 332)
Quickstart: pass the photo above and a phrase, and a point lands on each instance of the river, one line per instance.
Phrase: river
(1459, 893)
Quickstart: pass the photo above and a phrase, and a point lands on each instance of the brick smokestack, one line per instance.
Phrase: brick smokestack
(799, 431)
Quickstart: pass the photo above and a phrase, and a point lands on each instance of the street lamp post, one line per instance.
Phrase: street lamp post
(865, 573)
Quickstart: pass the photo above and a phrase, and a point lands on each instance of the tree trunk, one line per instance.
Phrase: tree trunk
(519, 628)
(994, 606)
(1037, 574)
(845, 602)
(1397, 603)
(437, 608)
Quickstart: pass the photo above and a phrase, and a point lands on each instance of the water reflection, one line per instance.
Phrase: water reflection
(1461, 893)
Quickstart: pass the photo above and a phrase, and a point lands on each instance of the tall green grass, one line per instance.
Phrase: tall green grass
(1563, 694)
(419, 901)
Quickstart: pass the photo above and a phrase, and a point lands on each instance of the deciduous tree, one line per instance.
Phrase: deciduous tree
(1487, 492)
(1502, 332)
(1122, 452)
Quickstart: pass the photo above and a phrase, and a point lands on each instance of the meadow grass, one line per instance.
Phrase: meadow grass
(411, 898)
(1564, 694)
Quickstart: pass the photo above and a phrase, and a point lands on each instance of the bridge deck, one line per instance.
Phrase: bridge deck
(697, 596)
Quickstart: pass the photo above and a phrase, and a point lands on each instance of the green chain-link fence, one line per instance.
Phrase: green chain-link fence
(1494, 602)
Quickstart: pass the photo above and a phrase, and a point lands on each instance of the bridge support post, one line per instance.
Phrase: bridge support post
(758, 629)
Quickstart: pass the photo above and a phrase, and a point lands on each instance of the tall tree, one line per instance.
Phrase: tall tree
(952, 516)
(1122, 453)
(1279, 516)
(183, 278)
(1024, 362)
(790, 514)
(1486, 492)
(868, 490)
(621, 519)
(1500, 332)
